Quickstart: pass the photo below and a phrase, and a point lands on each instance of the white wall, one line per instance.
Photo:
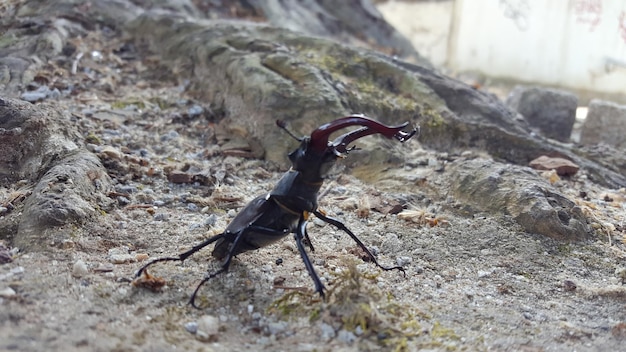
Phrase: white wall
(425, 24)
(556, 42)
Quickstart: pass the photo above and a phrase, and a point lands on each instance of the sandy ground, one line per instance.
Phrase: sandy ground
(474, 281)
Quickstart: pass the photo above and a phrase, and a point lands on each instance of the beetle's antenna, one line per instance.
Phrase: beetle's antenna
(283, 125)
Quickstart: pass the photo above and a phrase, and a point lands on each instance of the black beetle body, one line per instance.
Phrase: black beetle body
(286, 209)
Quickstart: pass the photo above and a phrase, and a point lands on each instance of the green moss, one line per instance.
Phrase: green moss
(8, 40)
(93, 139)
(123, 104)
(355, 303)
(293, 304)
(439, 331)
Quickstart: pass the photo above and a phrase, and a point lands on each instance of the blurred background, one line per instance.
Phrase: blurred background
(576, 45)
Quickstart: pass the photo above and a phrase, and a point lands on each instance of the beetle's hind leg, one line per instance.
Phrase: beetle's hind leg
(183, 255)
(343, 228)
(224, 268)
(239, 236)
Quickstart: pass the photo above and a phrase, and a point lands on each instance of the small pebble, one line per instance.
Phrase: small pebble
(346, 337)
(68, 244)
(402, 261)
(79, 269)
(169, 136)
(277, 327)
(103, 268)
(121, 200)
(111, 152)
(161, 217)
(191, 327)
(140, 257)
(328, 332)
(210, 220)
(195, 110)
(126, 189)
(7, 292)
(120, 255)
(358, 331)
(208, 328)
(483, 273)
(319, 222)
(569, 285)
(33, 96)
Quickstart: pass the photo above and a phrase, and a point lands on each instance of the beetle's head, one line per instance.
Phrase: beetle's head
(316, 155)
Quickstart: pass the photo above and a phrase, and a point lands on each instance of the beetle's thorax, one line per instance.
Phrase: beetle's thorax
(296, 194)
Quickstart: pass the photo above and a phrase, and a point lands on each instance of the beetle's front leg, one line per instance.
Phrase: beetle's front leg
(299, 235)
(343, 228)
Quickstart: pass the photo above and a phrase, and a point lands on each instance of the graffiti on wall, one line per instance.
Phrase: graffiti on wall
(622, 25)
(518, 11)
(588, 13)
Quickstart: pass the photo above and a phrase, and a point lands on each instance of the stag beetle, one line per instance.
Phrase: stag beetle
(287, 208)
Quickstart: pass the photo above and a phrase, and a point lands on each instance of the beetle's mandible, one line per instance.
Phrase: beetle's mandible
(286, 209)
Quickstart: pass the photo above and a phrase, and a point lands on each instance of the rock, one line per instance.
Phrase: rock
(563, 167)
(346, 336)
(191, 327)
(111, 152)
(180, 177)
(605, 123)
(79, 269)
(510, 190)
(121, 255)
(552, 111)
(278, 327)
(453, 115)
(36, 95)
(31, 137)
(354, 21)
(208, 328)
(5, 254)
(7, 292)
(70, 191)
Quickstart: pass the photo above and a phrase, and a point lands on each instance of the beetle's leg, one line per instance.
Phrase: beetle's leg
(299, 235)
(343, 227)
(307, 240)
(302, 228)
(183, 255)
(231, 253)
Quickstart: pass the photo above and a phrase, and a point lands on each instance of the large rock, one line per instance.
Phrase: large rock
(40, 145)
(605, 123)
(258, 73)
(31, 138)
(552, 111)
(519, 192)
